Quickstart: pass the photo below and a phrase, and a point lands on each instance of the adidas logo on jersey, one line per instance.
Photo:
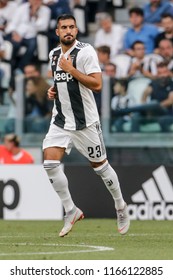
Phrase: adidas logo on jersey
(61, 76)
(155, 200)
(81, 45)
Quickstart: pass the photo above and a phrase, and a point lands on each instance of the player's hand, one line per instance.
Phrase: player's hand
(51, 93)
(65, 64)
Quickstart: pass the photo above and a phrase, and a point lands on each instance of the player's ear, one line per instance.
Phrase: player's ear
(57, 32)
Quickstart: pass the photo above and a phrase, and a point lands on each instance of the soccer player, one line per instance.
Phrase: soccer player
(75, 121)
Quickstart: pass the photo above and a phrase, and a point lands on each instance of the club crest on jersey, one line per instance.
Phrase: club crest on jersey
(61, 77)
(72, 57)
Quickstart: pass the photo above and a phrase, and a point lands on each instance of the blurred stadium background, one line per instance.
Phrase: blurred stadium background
(143, 162)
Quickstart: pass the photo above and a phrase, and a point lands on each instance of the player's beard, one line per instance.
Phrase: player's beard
(68, 42)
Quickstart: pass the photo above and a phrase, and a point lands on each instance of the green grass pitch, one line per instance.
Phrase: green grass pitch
(90, 239)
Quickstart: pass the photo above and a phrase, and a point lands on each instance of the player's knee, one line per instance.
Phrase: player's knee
(51, 165)
(98, 164)
(102, 168)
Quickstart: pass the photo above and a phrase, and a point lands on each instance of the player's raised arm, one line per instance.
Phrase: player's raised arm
(92, 81)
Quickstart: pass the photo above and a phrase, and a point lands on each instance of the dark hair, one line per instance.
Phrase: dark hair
(167, 40)
(166, 15)
(137, 42)
(123, 83)
(111, 64)
(13, 138)
(136, 10)
(162, 64)
(35, 66)
(104, 49)
(66, 16)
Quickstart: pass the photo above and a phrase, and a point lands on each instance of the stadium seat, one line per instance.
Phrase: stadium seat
(136, 88)
(122, 61)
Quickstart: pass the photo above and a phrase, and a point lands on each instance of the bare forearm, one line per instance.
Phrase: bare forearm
(166, 103)
(146, 93)
(148, 74)
(88, 81)
(2, 54)
(92, 81)
(144, 98)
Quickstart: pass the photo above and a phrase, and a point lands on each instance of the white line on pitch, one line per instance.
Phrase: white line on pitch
(90, 250)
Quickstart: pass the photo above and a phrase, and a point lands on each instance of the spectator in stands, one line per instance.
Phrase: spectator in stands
(103, 53)
(137, 61)
(119, 101)
(139, 32)
(141, 65)
(157, 100)
(34, 82)
(7, 11)
(165, 51)
(30, 18)
(154, 10)
(37, 106)
(32, 70)
(12, 153)
(165, 54)
(109, 34)
(167, 24)
(110, 70)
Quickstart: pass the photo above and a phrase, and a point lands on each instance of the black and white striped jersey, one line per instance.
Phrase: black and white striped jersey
(74, 107)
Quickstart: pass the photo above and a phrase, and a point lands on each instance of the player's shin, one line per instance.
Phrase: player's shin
(59, 182)
(110, 179)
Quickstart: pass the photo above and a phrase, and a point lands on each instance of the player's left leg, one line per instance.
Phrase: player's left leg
(90, 143)
(110, 179)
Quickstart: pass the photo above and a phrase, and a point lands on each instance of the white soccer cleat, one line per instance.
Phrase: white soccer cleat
(70, 220)
(123, 220)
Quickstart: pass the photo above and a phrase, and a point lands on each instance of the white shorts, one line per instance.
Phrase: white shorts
(88, 141)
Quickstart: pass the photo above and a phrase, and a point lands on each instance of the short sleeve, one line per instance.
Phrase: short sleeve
(90, 60)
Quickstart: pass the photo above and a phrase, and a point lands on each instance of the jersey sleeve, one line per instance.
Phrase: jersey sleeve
(90, 60)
